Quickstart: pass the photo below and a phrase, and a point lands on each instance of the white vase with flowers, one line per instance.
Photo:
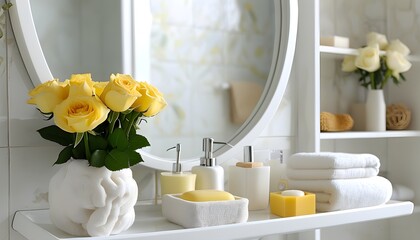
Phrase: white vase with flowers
(375, 70)
(94, 193)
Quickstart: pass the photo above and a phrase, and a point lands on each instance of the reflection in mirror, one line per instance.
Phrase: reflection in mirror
(211, 59)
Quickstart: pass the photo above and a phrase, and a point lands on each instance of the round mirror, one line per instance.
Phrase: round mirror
(222, 68)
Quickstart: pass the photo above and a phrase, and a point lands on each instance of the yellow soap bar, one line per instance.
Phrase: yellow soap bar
(288, 206)
(207, 195)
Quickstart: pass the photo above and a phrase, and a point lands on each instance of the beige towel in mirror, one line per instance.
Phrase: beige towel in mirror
(244, 97)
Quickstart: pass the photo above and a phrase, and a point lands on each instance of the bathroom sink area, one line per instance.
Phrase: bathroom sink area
(151, 225)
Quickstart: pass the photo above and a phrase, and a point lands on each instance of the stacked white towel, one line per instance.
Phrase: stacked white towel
(339, 180)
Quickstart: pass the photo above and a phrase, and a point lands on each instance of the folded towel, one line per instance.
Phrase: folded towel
(325, 174)
(332, 160)
(341, 194)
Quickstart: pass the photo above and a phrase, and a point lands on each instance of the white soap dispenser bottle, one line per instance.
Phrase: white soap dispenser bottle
(251, 180)
(209, 175)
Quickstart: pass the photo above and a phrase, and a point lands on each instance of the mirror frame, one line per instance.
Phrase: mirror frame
(286, 23)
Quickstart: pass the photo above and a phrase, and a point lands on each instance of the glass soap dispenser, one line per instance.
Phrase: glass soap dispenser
(209, 175)
(250, 180)
(176, 181)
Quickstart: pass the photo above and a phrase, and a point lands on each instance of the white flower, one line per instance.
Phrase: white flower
(368, 59)
(397, 45)
(377, 38)
(348, 64)
(397, 63)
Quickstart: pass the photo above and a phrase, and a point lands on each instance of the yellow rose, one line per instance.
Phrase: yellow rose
(80, 114)
(377, 38)
(99, 87)
(48, 95)
(120, 93)
(368, 58)
(348, 64)
(151, 101)
(397, 63)
(81, 85)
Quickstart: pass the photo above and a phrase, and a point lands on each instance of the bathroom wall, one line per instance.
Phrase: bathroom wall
(80, 36)
(26, 159)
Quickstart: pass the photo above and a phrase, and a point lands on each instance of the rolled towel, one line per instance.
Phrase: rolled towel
(332, 160)
(327, 174)
(341, 194)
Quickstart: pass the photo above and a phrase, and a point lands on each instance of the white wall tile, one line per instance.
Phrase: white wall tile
(3, 87)
(24, 118)
(361, 231)
(146, 182)
(30, 171)
(4, 196)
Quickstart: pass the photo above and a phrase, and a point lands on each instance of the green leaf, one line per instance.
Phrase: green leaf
(56, 134)
(79, 137)
(64, 155)
(117, 160)
(133, 131)
(137, 141)
(79, 152)
(97, 143)
(135, 158)
(98, 158)
(118, 139)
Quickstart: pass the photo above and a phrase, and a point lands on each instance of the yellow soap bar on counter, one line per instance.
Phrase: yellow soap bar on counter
(207, 195)
(288, 206)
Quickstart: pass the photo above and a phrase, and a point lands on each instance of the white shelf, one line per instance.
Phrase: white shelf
(357, 135)
(336, 51)
(151, 225)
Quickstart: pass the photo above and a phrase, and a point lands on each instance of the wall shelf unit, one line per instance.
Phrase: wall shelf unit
(322, 86)
(151, 225)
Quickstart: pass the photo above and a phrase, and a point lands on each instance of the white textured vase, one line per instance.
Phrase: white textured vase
(375, 111)
(90, 201)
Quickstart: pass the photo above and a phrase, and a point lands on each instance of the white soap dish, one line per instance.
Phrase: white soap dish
(203, 214)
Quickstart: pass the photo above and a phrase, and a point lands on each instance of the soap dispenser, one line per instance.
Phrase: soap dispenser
(209, 175)
(176, 181)
(251, 180)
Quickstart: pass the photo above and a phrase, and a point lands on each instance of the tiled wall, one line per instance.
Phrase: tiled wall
(26, 159)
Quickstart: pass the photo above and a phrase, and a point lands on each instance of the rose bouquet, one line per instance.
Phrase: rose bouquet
(375, 69)
(97, 121)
